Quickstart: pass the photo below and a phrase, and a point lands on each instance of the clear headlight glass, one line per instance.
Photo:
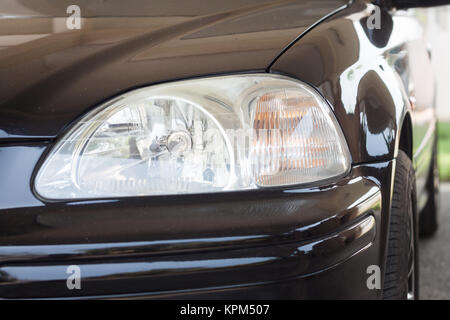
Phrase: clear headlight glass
(198, 136)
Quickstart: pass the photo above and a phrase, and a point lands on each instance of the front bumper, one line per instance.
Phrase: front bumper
(291, 244)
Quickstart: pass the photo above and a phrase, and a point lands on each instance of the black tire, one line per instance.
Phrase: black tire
(428, 219)
(401, 271)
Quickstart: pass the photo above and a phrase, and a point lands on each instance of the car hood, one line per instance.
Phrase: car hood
(52, 75)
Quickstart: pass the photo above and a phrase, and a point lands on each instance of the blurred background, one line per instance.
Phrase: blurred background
(434, 253)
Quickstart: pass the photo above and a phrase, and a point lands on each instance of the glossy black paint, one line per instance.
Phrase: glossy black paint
(370, 78)
(149, 246)
(118, 49)
(280, 243)
(171, 217)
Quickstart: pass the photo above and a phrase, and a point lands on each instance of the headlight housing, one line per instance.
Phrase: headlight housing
(204, 135)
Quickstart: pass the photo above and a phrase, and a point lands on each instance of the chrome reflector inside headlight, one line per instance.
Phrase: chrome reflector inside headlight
(198, 136)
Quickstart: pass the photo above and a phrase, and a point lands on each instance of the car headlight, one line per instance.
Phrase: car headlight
(198, 136)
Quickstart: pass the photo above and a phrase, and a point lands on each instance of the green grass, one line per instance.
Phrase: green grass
(444, 150)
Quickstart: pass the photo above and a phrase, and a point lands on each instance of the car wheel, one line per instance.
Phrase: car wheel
(401, 272)
(428, 223)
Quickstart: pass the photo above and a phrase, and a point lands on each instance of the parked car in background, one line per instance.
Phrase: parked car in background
(239, 149)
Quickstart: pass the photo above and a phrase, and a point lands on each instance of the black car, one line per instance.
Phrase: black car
(240, 149)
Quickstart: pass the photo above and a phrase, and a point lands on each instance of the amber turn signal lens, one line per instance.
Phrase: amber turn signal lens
(295, 139)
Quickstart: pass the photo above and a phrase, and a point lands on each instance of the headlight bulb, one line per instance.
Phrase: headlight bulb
(179, 142)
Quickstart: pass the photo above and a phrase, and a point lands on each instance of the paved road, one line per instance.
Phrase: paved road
(435, 255)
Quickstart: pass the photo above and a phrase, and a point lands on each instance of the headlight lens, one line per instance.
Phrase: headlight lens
(198, 136)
